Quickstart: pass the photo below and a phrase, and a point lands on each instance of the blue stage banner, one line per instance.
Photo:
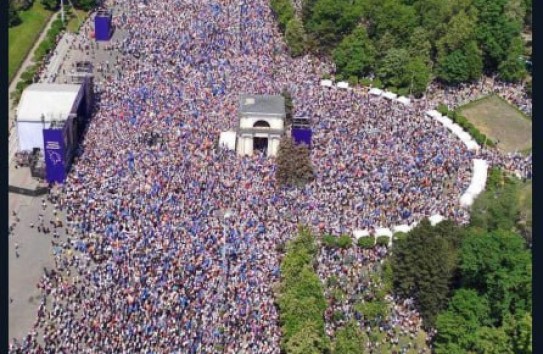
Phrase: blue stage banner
(302, 136)
(55, 155)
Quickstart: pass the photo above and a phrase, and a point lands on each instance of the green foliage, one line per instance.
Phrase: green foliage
(443, 109)
(294, 167)
(289, 106)
(284, 11)
(13, 15)
(499, 265)
(383, 240)
(329, 241)
(373, 311)
(417, 75)
(344, 241)
(492, 340)
(301, 299)
(51, 5)
(424, 265)
(350, 339)
(366, 242)
(85, 5)
(392, 68)
(331, 20)
(496, 208)
(295, 37)
(355, 55)
(513, 68)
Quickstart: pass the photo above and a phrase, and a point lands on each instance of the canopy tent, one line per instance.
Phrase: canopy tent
(41, 105)
(478, 183)
(360, 233)
(383, 232)
(436, 219)
(389, 95)
(227, 140)
(433, 114)
(376, 92)
(404, 100)
(343, 85)
(326, 83)
(401, 228)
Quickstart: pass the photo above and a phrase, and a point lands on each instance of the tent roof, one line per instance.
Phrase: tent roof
(53, 101)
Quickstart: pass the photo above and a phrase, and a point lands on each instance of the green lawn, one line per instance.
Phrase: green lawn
(23, 36)
(498, 120)
(73, 25)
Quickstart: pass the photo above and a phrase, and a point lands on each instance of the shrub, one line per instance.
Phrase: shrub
(403, 91)
(366, 242)
(353, 80)
(392, 89)
(443, 109)
(365, 81)
(339, 316)
(398, 236)
(344, 241)
(383, 240)
(377, 83)
(329, 241)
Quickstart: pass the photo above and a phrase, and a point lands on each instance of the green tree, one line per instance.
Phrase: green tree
(392, 69)
(350, 339)
(453, 68)
(490, 340)
(513, 68)
(424, 264)
(466, 313)
(420, 75)
(420, 45)
(13, 15)
(495, 31)
(355, 55)
(497, 208)
(51, 5)
(331, 20)
(295, 37)
(500, 266)
(306, 341)
(392, 16)
(283, 11)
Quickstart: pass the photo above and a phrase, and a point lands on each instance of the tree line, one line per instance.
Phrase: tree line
(404, 44)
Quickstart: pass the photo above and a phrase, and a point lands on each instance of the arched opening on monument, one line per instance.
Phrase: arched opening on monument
(260, 144)
(261, 124)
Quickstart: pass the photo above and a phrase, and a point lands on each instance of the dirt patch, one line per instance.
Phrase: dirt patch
(501, 122)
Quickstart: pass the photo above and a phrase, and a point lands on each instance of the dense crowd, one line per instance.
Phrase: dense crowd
(173, 242)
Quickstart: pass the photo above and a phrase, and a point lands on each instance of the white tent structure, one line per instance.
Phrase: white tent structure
(360, 233)
(383, 232)
(401, 228)
(436, 219)
(343, 85)
(404, 100)
(375, 91)
(478, 183)
(389, 95)
(40, 106)
(227, 140)
(326, 83)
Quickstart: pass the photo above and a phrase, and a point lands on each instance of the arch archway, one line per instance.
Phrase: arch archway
(261, 124)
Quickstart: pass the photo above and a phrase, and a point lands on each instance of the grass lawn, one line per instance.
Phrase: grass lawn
(501, 122)
(23, 36)
(525, 202)
(73, 25)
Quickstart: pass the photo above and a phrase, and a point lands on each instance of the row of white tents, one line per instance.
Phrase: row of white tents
(455, 129)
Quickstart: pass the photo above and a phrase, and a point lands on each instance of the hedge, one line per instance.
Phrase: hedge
(462, 121)
(383, 240)
(366, 242)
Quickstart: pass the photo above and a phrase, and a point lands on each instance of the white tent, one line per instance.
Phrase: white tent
(40, 105)
(478, 183)
(404, 100)
(343, 85)
(436, 219)
(389, 95)
(383, 232)
(360, 233)
(433, 113)
(401, 228)
(227, 140)
(472, 145)
(327, 83)
(376, 92)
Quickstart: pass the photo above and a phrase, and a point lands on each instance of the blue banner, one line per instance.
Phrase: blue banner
(55, 155)
(302, 136)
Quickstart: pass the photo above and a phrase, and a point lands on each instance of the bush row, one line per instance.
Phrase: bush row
(462, 121)
(44, 48)
(301, 297)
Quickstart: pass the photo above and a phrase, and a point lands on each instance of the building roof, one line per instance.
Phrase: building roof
(52, 101)
(266, 104)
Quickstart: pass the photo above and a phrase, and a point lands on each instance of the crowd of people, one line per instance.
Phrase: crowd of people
(174, 243)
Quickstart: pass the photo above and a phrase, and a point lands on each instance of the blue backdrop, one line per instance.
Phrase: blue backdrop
(302, 136)
(55, 155)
